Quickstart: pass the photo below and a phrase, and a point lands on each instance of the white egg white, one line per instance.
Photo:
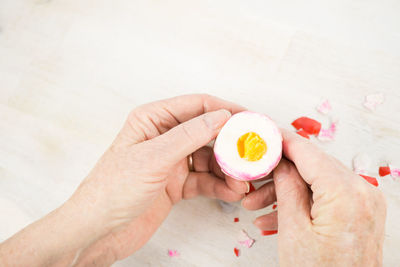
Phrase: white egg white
(227, 155)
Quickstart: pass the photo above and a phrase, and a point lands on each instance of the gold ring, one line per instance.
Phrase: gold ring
(190, 163)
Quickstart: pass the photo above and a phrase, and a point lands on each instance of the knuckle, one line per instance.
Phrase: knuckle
(138, 110)
(136, 114)
(142, 110)
(227, 194)
(203, 122)
(207, 99)
(133, 114)
(237, 197)
(189, 193)
(282, 168)
(206, 96)
(190, 188)
(187, 133)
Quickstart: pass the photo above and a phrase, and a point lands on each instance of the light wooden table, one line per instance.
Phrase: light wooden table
(71, 70)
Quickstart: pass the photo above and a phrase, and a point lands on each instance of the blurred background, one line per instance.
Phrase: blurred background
(70, 71)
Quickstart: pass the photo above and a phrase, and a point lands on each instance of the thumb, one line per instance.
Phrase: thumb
(292, 195)
(191, 135)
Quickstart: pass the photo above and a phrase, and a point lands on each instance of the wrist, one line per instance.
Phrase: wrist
(86, 220)
(64, 231)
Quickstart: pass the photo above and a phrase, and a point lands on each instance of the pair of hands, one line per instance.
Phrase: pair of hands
(327, 214)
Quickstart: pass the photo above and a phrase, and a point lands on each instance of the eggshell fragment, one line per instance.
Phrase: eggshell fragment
(244, 239)
(173, 253)
(373, 100)
(383, 171)
(324, 107)
(303, 133)
(394, 172)
(361, 163)
(369, 179)
(269, 232)
(236, 251)
(309, 125)
(328, 134)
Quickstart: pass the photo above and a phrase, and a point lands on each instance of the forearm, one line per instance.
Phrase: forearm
(64, 231)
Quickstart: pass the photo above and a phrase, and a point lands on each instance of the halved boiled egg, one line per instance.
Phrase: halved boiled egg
(249, 146)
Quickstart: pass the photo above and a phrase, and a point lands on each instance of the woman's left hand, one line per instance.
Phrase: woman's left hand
(132, 188)
(145, 171)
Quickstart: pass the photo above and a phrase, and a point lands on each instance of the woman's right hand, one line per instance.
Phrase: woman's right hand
(328, 215)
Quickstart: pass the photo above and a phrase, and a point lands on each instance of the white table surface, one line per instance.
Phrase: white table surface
(71, 70)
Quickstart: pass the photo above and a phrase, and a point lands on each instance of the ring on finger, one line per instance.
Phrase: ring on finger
(190, 163)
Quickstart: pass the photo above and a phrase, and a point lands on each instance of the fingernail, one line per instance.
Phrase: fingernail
(216, 119)
(248, 187)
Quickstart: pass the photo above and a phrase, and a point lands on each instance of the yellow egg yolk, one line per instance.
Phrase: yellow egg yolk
(251, 146)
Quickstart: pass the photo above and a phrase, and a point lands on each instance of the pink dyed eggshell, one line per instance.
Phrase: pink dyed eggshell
(243, 175)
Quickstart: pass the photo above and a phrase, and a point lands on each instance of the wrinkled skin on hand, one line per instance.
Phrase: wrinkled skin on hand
(327, 215)
(134, 185)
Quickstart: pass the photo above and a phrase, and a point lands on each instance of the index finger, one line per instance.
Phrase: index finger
(186, 107)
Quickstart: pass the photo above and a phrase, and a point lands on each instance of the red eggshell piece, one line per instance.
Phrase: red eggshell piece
(309, 125)
(303, 133)
(369, 179)
(236, 251)
(383, 171)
